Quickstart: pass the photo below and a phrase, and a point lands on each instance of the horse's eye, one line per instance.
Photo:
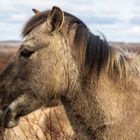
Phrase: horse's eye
(26, 53)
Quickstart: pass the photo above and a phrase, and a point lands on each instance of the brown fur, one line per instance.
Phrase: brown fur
(97, 84)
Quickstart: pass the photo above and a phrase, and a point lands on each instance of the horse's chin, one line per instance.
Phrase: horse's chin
(8, 119)
(11, 124)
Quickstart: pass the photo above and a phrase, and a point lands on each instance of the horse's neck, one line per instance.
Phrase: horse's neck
(91, 110)
(123, 63)
(109, 107)
(84, 113)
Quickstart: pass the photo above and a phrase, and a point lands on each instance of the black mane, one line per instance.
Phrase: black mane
(94, 49)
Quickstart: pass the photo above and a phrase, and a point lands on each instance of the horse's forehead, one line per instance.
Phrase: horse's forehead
(36, 35)
(39, 37)
(38, 41)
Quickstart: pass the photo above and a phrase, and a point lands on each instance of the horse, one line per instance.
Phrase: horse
(61, 59)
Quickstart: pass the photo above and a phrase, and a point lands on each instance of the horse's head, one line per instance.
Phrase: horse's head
(39, 71)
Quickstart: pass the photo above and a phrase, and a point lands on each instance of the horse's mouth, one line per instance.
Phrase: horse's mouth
(9, 119)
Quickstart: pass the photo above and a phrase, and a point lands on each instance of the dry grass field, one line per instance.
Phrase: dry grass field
(43, 124)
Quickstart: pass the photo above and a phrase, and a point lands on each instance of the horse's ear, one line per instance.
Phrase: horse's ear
(56, 18)
(35, 11)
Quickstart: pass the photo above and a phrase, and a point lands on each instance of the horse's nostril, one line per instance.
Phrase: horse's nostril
(18, 116)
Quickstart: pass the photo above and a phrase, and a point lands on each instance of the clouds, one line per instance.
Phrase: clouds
(135, 20)
(102, 20)
(114, 18)
(137, 3)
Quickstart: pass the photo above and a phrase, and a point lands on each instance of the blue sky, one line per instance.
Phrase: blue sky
(118, 20)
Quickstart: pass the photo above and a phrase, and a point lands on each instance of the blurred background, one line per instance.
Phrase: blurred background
(118, 20)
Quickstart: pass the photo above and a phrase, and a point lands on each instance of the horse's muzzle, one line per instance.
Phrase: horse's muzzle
(8, 119)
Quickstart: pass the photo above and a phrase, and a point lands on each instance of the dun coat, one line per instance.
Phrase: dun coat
(60, 59)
